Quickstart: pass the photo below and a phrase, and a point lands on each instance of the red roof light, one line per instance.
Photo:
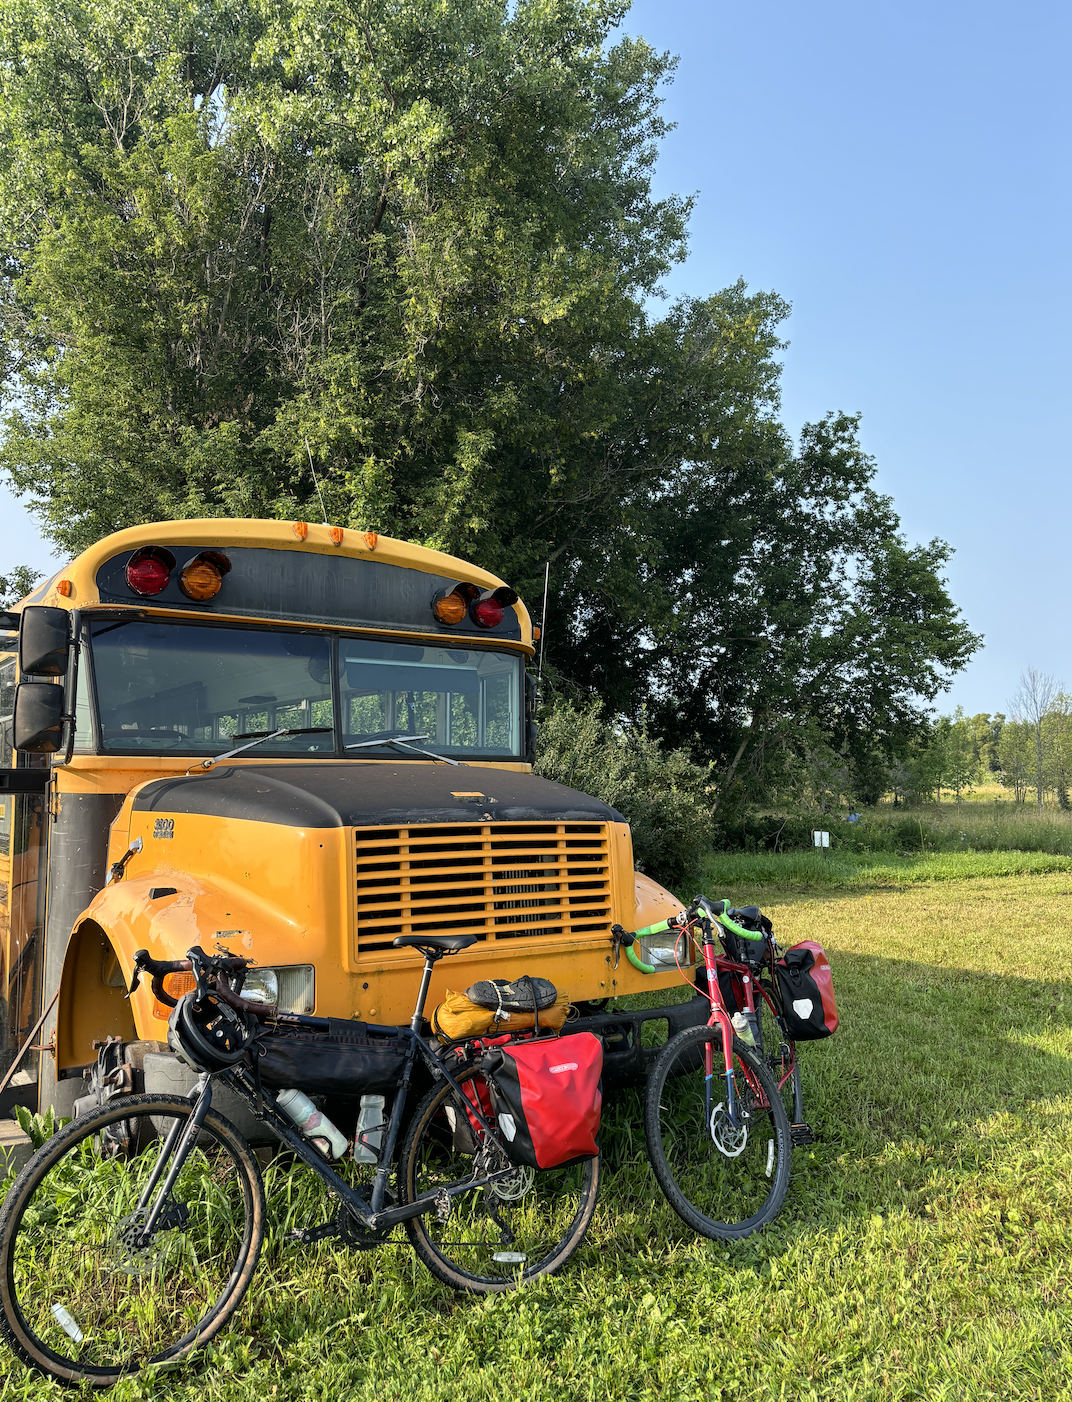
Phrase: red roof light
(489, 612)
(149, 570)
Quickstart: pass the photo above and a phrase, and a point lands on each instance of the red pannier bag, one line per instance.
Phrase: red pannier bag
(806, 988)
(547, 1098)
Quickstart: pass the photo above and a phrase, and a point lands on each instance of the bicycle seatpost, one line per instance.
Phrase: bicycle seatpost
(422, 993)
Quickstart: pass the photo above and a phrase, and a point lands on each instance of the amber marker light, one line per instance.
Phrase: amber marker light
(202, 578)
(450, 608)
(335, 535)
(175, 985)
(371, 539)
(300, 529)
(64, 587)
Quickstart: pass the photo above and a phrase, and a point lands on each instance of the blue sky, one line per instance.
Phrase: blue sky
(899, 173)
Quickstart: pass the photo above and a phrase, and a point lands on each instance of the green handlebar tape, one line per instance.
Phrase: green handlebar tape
(658, 929)
(636, 961)
(729, 924)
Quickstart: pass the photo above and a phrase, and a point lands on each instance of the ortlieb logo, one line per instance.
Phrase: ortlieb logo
(566, 1066)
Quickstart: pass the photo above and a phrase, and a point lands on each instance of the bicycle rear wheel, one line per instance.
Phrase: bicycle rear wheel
(780, 1056)
(726, 1181)
(496, 1238)
(84, 1296)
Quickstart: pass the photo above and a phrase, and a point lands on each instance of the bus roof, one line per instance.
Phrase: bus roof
(314, 574)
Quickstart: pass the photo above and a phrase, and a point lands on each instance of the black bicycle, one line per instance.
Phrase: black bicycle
(132, 1235)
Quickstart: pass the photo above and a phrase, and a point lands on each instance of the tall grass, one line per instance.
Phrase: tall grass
(736, 874)
(945, 827)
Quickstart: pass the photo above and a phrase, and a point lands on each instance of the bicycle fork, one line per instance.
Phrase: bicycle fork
(180, 1140)
(721, 1017)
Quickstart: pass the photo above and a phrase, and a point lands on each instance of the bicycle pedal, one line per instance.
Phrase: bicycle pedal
(801, 1134)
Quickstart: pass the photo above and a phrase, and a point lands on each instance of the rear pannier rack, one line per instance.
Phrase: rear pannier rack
(497, 881)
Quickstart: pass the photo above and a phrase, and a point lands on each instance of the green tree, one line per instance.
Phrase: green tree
(414, 247)
(1035, 696)
(1015, 753)
(663, 794)
(946, 759)
(17, 584)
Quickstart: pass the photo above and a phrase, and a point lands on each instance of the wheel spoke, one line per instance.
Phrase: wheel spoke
(725, 1172)
(86, 1289)
(525, 1224)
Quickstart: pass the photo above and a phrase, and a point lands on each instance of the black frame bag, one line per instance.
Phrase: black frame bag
(330, 1056)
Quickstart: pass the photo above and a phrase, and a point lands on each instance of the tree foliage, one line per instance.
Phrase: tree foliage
(663, 794)
(402, 257)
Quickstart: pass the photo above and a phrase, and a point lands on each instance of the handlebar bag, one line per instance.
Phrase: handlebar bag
(806, 990)
(331, 1056)
(547, 1098)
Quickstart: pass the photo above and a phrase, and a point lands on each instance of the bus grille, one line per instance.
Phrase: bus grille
(496, 881)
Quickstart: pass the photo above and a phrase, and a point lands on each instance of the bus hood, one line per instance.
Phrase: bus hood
(339, 794)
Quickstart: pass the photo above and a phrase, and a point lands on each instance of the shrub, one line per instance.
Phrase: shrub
(662, 794)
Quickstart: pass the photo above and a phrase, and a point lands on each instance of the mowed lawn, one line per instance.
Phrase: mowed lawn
(924, 1250)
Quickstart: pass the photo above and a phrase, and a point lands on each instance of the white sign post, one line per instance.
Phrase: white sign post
(822, 839)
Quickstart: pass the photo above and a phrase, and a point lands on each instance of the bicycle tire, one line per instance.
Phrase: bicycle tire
(779, 1053)
(546, 1216)
(721, 1191)
(67, 1243)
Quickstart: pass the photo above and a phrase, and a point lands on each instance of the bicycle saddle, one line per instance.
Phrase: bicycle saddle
(446, 944)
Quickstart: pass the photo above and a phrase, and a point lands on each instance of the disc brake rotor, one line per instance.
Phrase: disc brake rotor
(729, 1139)
(516, 1185)
(132, 1256)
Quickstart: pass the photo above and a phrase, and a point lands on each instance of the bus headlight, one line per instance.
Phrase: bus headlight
(290, 989)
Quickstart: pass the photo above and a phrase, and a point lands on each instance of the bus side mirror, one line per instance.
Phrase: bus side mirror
(37, 724)
(44, 639)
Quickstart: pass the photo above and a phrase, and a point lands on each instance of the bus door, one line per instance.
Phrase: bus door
(23, 838)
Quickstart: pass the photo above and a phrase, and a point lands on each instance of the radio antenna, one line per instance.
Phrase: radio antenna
(543, 623)
(316, 482)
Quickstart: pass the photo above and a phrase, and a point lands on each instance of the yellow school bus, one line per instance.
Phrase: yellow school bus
(294, 742)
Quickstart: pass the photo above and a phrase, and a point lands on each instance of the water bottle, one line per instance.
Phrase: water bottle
(742, 1025)
(369, 1130)
(313, 1122)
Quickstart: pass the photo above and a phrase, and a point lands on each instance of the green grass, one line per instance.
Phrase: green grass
(923, 1251)
(732, 872)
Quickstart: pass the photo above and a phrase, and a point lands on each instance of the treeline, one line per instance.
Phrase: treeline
(404, 259)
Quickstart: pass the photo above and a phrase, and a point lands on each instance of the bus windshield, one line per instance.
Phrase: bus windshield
(192, 689)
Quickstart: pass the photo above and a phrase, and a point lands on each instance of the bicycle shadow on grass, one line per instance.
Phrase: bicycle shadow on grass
(935, 1078)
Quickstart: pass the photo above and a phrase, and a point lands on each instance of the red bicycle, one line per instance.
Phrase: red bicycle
(718, 1134)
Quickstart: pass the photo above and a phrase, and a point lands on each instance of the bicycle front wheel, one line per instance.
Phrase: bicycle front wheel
(495, 1238)
(86, 1294)
(725, 1179)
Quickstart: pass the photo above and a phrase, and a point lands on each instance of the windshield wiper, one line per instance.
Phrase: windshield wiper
(400, 741)
(257, 737)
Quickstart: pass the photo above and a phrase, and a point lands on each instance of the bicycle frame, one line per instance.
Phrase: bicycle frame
(721, 1017)
(714, 963)
(750, 983)
(371, 1215)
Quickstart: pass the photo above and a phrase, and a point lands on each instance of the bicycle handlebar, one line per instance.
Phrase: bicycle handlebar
(207, 967)
(700, 909)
